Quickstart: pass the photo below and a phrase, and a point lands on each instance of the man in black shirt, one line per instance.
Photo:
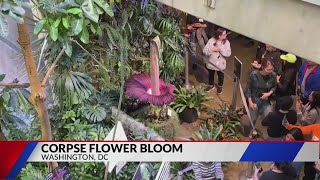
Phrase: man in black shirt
(274, 119)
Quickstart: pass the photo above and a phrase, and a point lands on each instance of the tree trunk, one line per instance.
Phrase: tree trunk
(38, 97)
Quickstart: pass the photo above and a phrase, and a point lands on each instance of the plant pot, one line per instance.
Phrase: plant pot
(188, 115)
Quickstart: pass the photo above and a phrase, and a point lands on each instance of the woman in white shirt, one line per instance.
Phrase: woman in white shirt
(217, 48)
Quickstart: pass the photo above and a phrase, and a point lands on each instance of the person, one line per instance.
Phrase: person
(217, 48)
(314, 131)
(287, 78)
(278, 171)
(308, 80)
(295, 134)
(310, 113)
(196, 33)
(274, 119)
(260, 86)
(317, 166)
(271, 53)
(207, 170)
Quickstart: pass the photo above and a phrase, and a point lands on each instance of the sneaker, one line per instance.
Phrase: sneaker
(209, 88)
(219, 90)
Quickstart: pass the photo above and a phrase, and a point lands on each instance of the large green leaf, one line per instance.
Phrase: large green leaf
(18, 18)
(57, 22)
(92, 28)
(53, 32)
(14, 119)
(99, 31)
(39, 26)
(73, 87)
(65, 22)
(4, 28)
(84, 34)
(23, 102)
(13, 101)
(76, 25)
(74, 11)
(89, 11)
(2, 76)
(17, 10)
(67, 46)
(94, 113)
(105, 6)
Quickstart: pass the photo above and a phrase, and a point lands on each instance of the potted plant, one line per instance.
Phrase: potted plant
(228, 119)
(187, 103)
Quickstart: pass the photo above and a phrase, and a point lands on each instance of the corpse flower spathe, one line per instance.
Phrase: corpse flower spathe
(138, 86)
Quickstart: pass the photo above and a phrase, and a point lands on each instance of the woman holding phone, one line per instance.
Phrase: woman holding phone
(217, 48)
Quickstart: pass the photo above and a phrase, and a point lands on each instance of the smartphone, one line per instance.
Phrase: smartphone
(284, 120)
(258, 166)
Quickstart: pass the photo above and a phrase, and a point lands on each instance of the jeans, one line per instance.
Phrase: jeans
(211, 77)
(262, 108)
(297, 166)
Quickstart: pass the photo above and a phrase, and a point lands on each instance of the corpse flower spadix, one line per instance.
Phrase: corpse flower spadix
(138, 86)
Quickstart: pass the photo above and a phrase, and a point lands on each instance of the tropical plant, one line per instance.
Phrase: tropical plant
(228, 119)
(178, 166)
(12, 101)
(31, 172)
(173, 43)
(71, 19)
(13, 9)
(73, 88)
(208, 134)
(194, 98)
(82, 130)
(94, 113)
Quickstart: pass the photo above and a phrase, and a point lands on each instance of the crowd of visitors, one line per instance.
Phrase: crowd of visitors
(284, 94)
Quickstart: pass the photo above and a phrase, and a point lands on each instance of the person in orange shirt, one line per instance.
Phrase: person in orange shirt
(314, 130)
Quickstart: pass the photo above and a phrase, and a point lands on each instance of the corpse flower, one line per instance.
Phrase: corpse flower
(138, 86)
